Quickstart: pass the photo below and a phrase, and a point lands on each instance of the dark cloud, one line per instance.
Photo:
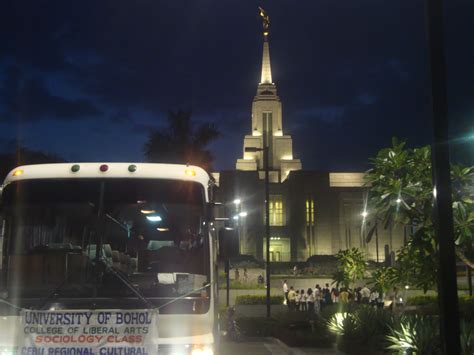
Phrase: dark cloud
(121, 117)
(30, 100)
(350, 73)
(142, 128)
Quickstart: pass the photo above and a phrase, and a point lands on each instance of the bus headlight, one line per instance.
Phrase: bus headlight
(202, 350)
(7, 351)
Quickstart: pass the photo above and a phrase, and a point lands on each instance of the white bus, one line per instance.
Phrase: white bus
(107, 259)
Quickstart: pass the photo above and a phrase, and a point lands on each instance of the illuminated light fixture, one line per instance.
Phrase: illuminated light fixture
(75, 168)
(202, 351)
(364, 214)
(398, 200)
(248, 157)
(190, 172)
(243, 214)
(256, 133)
(237, 201)
(407, 287)
(287, 157)
(132, 168)
(159, 229)
(154, 218)
(104, 168)
(228, 228)
(236, 217)
(147, 211)
(141, 201)
(278, 133)
(18, 172)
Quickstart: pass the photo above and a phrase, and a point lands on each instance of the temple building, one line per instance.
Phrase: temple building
(311, 212)
(267, 128)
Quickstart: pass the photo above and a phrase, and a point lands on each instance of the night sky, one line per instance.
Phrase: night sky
(88, 79)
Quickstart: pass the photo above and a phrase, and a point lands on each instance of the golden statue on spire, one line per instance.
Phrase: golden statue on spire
(266, 22)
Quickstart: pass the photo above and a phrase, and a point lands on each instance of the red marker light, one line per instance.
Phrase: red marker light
(104, 168)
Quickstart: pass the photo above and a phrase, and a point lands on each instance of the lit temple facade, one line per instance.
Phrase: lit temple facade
(267, 126)
(311, 212)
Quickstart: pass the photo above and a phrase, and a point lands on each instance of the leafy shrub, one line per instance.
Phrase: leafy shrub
(257, 326)
(363, 330)
(351, 267)
(257, 299)
(414, 334)
(248, 261)
(467, 338)
(239, 285)
(328, 311)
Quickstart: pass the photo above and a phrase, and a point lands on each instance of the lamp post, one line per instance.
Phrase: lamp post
(267, 214)
(238, 207)
(443, 213)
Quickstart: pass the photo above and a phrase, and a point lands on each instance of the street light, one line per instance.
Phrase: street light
(267, 211)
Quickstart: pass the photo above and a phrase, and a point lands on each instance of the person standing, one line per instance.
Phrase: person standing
(237, 274)
(374, 296)
(365, 295)
(317, 299)
(393, 297)
(335, 295)
(246, 276)
(291, 299)
(344, 296)
(285, 291)
(297, 300)
(310, 301)
(303, 300)
(327, 296)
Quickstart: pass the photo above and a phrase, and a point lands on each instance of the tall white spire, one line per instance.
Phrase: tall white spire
(266, 68)
(267, 125)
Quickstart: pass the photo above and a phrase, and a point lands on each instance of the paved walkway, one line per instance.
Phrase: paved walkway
(264, 346)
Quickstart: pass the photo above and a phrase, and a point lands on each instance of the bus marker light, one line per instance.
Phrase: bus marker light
(147, 211)
(17, 172)
(190, 172)
(75, 168)
(154, 218)
(104, 168)
(132, 168)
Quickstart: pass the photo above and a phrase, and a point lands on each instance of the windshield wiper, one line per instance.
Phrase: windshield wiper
(4, 301)
(184, 296)
(127, 283)
(57, 289)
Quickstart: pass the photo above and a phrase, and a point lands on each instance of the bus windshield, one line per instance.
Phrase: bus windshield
(81, 238)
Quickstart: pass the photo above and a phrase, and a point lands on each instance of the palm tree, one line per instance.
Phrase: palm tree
(25, 156)
(182, 141)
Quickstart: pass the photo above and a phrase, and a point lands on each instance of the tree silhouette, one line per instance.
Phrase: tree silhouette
(182, 141)
(25, 156)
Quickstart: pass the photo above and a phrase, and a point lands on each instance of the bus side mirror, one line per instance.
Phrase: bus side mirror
(217, 212)
(228, 243)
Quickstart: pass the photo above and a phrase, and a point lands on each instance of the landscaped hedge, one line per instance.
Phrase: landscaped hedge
(293, 328)
(257, 299)
(422, 300)
(429, 305)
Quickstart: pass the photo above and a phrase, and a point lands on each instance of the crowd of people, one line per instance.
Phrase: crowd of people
(313, 300)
